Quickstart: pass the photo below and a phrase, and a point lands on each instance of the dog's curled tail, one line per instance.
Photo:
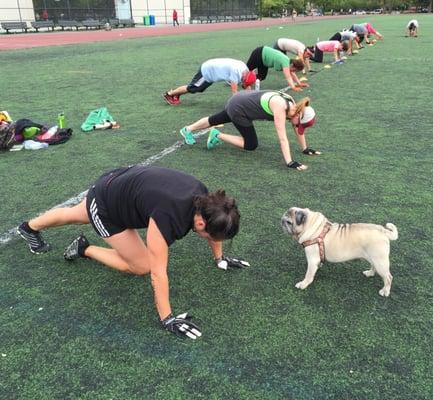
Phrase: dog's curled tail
(391, 231)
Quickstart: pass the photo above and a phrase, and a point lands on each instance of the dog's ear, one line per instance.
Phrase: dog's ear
(300, 217)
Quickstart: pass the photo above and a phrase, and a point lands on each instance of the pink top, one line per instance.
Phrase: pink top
(329, 45)
(369, 28)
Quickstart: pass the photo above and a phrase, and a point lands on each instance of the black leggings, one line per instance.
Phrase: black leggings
(337, 37)
(255, 62)
(247, 132)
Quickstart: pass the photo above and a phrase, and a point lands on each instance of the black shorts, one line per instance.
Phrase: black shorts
(318, 55)
(256, 62)
(337, 37)
(97, 210)
(198, 83)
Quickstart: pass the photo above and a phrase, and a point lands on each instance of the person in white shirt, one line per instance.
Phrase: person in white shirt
(296, 47)
(349, 36)
(412, 28)
(214, 70)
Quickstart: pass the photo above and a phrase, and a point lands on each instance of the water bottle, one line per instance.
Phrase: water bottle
(257, 85)
(61, 120)
(52, 131)
(32, 145)
(318, 39)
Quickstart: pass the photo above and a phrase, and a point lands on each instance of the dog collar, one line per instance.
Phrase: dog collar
(320, 241)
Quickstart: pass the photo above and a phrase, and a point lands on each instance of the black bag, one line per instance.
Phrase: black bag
(61, 136)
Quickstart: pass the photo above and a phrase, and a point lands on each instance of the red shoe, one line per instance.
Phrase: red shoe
(172, 100)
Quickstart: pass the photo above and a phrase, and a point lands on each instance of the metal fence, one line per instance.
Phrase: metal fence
(224, 7)
(75, 9)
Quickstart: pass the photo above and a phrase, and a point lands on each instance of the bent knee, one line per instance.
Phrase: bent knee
(250, 146)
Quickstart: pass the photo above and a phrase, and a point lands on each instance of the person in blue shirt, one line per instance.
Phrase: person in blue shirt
(228, 70)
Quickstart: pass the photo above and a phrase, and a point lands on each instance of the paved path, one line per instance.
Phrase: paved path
(59, 38)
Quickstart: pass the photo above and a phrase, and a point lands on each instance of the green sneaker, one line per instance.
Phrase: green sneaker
(187, 135)
(212, 139)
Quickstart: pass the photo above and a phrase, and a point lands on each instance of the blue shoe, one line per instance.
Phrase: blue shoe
(187, 135)
(212, 139)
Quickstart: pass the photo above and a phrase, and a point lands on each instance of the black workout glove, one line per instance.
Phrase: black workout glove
(310, 152)
(181, 326)
(228, 262)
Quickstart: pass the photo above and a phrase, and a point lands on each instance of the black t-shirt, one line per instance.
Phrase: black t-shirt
(134, 194)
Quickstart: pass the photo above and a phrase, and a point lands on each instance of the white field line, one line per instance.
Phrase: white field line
(7, 236)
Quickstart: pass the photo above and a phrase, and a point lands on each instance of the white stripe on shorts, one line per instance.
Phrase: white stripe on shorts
(96, 220)
(200, 82)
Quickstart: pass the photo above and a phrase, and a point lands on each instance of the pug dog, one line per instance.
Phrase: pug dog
(327, 241)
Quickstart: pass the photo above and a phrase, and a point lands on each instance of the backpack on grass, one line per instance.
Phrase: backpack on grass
(7, 136)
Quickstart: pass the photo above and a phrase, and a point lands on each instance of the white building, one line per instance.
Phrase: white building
(23, 10)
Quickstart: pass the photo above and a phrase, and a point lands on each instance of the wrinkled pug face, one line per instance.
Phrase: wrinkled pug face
(293, 220)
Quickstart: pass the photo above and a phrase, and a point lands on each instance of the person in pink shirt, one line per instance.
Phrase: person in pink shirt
(372, 31)
(328, 46)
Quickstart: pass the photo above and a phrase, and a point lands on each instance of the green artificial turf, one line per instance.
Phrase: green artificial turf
(81, 331)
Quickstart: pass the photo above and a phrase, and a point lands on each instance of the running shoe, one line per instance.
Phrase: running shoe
(34, 239)
(212, 139)
(76, 249)
(188, 136)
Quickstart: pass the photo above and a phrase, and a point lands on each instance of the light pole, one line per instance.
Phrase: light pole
(19, 10)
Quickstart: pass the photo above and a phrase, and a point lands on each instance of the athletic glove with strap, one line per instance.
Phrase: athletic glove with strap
(228, 262)
(181, 326)
(310, 152)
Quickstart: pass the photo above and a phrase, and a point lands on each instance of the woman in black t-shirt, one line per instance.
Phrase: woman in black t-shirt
(168, 203)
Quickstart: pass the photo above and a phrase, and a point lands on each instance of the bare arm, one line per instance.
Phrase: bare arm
(336, 54)
(289, 78)
(158, 258)
(307, 63)
(300, 138)
(234, 87)
(216, 247)
(278, 107)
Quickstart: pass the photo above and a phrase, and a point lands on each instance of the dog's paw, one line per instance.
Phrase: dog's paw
(302, 285)
(384, 292)
(369, 273)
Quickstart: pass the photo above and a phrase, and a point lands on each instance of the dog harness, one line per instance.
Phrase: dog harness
(319, 240)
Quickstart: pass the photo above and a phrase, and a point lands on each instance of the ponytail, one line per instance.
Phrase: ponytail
(300, 106)
(220, 213)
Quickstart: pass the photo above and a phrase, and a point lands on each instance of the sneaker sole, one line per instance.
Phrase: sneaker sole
(209, 139)
(31, 250)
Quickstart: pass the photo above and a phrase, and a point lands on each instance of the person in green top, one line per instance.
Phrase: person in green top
(263, 58)
(244, 108)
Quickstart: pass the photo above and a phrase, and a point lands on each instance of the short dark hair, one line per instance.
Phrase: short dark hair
(220, 213)
(298, 64)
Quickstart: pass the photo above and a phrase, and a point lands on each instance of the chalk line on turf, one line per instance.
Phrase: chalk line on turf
(7, 236)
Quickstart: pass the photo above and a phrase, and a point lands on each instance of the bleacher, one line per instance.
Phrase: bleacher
(21, 26)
